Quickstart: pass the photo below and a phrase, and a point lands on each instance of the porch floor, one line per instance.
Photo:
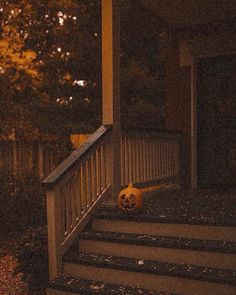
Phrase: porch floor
(210, 207)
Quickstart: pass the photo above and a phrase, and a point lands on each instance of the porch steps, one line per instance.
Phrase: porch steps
(152, 275)
(218, 254)
(147, 253)
(115, 221)
(68, 285)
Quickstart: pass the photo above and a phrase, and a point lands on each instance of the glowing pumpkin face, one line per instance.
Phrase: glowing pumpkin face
(130, 199)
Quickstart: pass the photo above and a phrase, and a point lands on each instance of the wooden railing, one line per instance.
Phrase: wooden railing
(82, 182)
(74, 190)
(148, 159)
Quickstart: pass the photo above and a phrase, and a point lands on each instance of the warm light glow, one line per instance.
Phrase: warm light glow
(61, 21)
(79, 83)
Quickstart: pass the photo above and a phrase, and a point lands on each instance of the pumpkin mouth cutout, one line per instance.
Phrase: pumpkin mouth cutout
(128, 201)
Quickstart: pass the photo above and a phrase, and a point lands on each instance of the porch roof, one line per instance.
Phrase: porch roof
(186, 13)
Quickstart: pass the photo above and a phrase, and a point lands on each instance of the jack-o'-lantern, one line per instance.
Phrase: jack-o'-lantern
(130, 199)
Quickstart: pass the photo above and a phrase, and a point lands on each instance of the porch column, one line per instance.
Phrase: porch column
(111, 85)
(193, 126)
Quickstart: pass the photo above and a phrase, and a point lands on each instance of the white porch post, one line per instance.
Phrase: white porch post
(111, 85)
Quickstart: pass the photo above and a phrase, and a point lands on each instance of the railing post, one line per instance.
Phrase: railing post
(54, 233)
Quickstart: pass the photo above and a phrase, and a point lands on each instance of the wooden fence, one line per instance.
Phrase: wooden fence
(38, 158)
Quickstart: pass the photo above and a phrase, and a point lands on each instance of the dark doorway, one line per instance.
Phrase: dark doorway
(216, 123)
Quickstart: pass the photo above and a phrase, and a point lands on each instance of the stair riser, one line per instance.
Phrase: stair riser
(148, 281)
(60, 292)
(163, 229)
(160, 254)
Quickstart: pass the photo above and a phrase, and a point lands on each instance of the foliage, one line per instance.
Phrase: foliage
(51, 61)
(22, 202)
(32, 255)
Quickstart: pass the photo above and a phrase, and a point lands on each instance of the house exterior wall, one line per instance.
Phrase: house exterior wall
(185, 51)
(178, 107)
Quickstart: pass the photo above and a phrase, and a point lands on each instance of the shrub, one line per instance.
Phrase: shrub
(32, 256)
(22, 203)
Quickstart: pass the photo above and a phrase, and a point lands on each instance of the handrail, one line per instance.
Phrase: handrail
(146, 134)
(55, 176)
(74, 190)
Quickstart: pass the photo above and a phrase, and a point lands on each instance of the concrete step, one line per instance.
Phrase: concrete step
(152, 275)
(149, 225)
(72, 286)
(219, 254)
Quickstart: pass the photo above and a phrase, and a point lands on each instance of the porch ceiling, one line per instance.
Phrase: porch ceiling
(186, 13)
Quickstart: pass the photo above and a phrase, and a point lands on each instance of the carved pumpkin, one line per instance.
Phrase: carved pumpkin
(130, 199)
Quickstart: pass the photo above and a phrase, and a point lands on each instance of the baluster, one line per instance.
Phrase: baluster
(98, 171)
(123, 160)
(177, 158)
(73, 200)
(161, 159)
(173, 159)
(94, 169)
(165, 158)
(170, 154)
(93, 187)
(137, 160)
(103, 167)
(134, 167)
(77, 194)
(144, 156)
(142, 160)
(158, 159)
(68, 207)
(130, 179)
(152, 159)
(155, 159)
(83, 188)
(126, 164)
(145, 159)
(89, 182)
(61, 195)
(148, 158)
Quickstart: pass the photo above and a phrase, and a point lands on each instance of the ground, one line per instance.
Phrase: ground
(10, 282)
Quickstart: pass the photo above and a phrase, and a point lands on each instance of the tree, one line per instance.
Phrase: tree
(18, 75)
(53, 67)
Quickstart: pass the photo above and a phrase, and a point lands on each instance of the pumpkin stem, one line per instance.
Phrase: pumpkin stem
(130, 185)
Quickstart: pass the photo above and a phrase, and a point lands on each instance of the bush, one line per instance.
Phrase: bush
(32, 256)
(22, 203)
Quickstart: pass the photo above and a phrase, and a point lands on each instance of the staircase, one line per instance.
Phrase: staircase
(150, 254)
(181, 243)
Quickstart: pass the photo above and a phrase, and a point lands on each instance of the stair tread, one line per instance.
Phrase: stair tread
(203, 273)
(144, 216)
(88, 287)
(162, 241)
